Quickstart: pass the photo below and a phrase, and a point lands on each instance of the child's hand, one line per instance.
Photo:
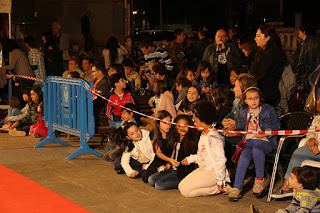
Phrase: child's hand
(315, 150)
(205, 89)
(150, 103)
(312, 142)
(230, 124)
(134, 174)
(189, 113)
(161, 168)
(220, 189)
(179, 112)
(260, 136)
(174, 162)
(144, 166)
(313, 146)
(168, 165)
(185, 162)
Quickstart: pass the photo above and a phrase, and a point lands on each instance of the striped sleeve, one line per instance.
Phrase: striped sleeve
(160, 55)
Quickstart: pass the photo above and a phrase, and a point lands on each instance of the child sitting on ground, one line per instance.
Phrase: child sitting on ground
(114, 150)
(12, 111)
(138, 151)
(39, 129)
(306, 197)
(212, 175)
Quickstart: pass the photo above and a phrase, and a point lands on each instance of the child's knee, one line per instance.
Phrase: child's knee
(184, 189)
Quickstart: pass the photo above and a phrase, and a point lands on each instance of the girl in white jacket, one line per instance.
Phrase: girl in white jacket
(138, 151)
(211, 176)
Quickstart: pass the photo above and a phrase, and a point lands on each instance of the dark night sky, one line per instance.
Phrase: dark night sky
(214, 13)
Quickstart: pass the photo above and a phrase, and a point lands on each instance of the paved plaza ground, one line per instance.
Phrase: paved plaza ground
(92, 182)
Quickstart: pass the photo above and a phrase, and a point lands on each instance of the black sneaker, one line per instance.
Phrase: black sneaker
(282, 194)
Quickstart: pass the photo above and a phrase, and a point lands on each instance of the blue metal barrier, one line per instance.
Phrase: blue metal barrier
(68, 108)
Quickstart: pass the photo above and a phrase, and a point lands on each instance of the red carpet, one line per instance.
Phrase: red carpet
(20, 194)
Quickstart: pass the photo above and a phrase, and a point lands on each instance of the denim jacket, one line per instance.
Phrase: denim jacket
(268, 120)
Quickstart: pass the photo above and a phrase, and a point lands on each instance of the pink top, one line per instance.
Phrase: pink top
(167, 103)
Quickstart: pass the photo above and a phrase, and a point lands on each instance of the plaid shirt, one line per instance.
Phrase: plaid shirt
(36, 58)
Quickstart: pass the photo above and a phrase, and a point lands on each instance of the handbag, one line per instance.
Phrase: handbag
(311, 103)
(239, 149)
(242, 144)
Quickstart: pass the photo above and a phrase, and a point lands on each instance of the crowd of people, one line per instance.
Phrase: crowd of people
(231, 83)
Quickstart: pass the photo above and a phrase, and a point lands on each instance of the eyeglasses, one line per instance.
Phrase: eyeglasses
(253, 99)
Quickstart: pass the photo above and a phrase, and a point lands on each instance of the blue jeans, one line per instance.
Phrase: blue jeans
(114, 124)
(256, 149)
(164, 180)
(298, 156)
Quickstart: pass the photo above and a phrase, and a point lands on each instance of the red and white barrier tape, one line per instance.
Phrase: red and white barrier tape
(23, 76)
(280, 132)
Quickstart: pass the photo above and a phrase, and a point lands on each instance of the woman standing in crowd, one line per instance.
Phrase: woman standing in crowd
(19, 64)
(114, 52)
(186, 144)
(268, 63)
(134, 53)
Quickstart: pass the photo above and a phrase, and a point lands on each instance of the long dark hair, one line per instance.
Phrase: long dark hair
(38, 91)
(202, 66)
(112, 45)
(185, 104)
(274, 41)
(189, 143)
(160, 87)
(159, 142)
(119, 137)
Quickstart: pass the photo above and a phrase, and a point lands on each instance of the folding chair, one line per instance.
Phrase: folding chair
(290, 121)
